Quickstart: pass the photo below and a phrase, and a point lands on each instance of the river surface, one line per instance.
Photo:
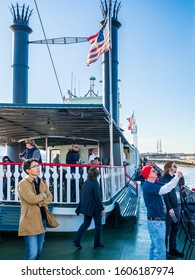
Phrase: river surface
(188, 173)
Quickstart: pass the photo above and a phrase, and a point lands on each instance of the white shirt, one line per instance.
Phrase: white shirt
(92, 156)
(169, 186)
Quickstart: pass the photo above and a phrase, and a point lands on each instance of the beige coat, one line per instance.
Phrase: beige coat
(30, 218)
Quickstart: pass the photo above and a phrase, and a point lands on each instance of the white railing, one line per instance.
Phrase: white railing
(64, 185)
(130, 169)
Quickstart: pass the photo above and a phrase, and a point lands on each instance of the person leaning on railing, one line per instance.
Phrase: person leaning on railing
(31, 151)
(73, 156)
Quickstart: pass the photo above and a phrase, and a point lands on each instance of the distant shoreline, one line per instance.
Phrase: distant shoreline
(180, 162)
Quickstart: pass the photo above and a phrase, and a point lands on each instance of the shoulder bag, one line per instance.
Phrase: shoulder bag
(51, 221)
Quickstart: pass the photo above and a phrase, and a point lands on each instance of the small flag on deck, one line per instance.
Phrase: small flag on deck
(100, 43)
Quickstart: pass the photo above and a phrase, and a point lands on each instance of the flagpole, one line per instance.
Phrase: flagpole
(110, 96)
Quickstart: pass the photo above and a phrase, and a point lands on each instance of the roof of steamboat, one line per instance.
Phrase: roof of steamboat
(87, 122)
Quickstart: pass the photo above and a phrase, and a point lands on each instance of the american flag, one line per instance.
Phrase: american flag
(131, 121)
(100, 43)
(134, 130)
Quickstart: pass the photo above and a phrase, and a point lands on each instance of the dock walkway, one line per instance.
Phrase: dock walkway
(121, 243)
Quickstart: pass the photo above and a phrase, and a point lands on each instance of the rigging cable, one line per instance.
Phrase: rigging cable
(49, 51)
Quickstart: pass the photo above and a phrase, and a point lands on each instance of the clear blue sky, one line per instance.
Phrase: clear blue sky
(156, 63)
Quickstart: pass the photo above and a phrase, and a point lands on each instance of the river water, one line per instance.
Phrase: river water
(188, 173)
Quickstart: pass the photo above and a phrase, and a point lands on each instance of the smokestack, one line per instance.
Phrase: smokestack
(115, 25)
(20, 40)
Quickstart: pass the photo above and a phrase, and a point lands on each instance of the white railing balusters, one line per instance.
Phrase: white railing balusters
(76, 187)
(102, 182)
(55, 184)
(69, 178)
(48, 180)
(16, 178)
(64, 185)
(84, 173)
(60, 187)
(8, 175)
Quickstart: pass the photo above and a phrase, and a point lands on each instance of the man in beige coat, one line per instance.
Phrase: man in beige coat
(34, 196)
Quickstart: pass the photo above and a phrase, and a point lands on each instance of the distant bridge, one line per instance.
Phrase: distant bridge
(178, 158)
(167, 155)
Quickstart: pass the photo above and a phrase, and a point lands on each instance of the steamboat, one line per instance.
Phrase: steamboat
(54, 127)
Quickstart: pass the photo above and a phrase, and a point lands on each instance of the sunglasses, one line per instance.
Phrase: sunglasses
(34, 166)
(174, 166)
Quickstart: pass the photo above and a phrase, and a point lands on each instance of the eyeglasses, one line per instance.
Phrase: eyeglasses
(174, 166)
(34, 166)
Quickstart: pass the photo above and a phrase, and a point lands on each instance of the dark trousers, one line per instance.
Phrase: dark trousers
(171, 231)
(85, 225)
(73, 190)
(5, 188)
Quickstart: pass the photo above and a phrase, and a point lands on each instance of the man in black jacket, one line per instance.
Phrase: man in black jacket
(73, 156)
(172, 208)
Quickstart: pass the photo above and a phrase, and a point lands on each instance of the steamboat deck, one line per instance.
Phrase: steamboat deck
(121, 243)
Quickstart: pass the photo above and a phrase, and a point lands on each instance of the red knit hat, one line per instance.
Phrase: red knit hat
(146, 171)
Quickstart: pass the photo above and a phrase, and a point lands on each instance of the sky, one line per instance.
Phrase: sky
(156, 63)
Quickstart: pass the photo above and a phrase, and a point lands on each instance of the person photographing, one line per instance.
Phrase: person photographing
(152, 193)
(173, 208)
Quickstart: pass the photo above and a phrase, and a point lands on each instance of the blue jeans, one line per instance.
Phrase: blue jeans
(34, 245)
(157, 231)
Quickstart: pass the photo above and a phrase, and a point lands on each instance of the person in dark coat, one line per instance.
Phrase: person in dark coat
(73, 156)
(173, 210)
(92, 207)
(56, 160)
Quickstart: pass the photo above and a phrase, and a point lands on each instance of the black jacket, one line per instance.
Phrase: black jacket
(72, 157)
(91, 201)
(170, 198)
